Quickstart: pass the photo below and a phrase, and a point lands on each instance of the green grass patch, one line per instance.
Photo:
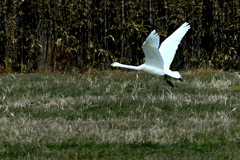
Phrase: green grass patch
(119, 115)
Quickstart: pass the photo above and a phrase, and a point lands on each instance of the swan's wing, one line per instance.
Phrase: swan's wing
(151, 52)
(169, 46)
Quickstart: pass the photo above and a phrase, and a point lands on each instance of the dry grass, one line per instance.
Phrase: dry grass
(119, 115)
(201, 71)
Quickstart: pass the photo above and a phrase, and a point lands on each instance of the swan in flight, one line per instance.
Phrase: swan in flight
(158, 61)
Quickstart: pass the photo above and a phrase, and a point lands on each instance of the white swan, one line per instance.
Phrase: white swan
(158, 61)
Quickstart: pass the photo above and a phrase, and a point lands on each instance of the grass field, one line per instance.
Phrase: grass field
(120, 115)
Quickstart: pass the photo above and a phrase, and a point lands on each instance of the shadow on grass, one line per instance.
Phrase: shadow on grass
(75, 149)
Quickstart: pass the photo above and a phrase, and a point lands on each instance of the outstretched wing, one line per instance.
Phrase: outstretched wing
(169, 46)
(151, 52)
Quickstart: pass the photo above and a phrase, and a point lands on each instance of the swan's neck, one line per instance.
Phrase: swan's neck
(128, 66)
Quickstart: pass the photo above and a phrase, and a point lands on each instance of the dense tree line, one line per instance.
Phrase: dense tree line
(61, 35)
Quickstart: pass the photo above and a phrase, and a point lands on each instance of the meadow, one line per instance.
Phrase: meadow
(120, 115)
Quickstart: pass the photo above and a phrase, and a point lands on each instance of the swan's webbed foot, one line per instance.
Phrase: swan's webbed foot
(168, 82)
(180, 79)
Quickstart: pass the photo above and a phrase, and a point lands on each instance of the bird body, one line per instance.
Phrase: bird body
(158, 60)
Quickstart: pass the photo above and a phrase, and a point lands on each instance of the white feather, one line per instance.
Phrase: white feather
(169, 46)
(158, 61)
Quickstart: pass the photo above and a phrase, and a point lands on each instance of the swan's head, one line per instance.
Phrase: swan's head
(115, 64)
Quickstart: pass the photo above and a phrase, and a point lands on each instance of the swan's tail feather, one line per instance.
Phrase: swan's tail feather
(174, 74)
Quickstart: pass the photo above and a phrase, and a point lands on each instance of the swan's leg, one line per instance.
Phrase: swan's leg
(168, 82)
(180, 79)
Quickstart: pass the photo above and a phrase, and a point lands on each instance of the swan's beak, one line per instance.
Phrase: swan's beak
(111, 66)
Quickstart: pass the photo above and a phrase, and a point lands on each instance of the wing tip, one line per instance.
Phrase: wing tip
(154, 33)
(186, 25)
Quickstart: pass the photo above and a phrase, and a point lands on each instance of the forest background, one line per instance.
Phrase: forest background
(67, 35)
